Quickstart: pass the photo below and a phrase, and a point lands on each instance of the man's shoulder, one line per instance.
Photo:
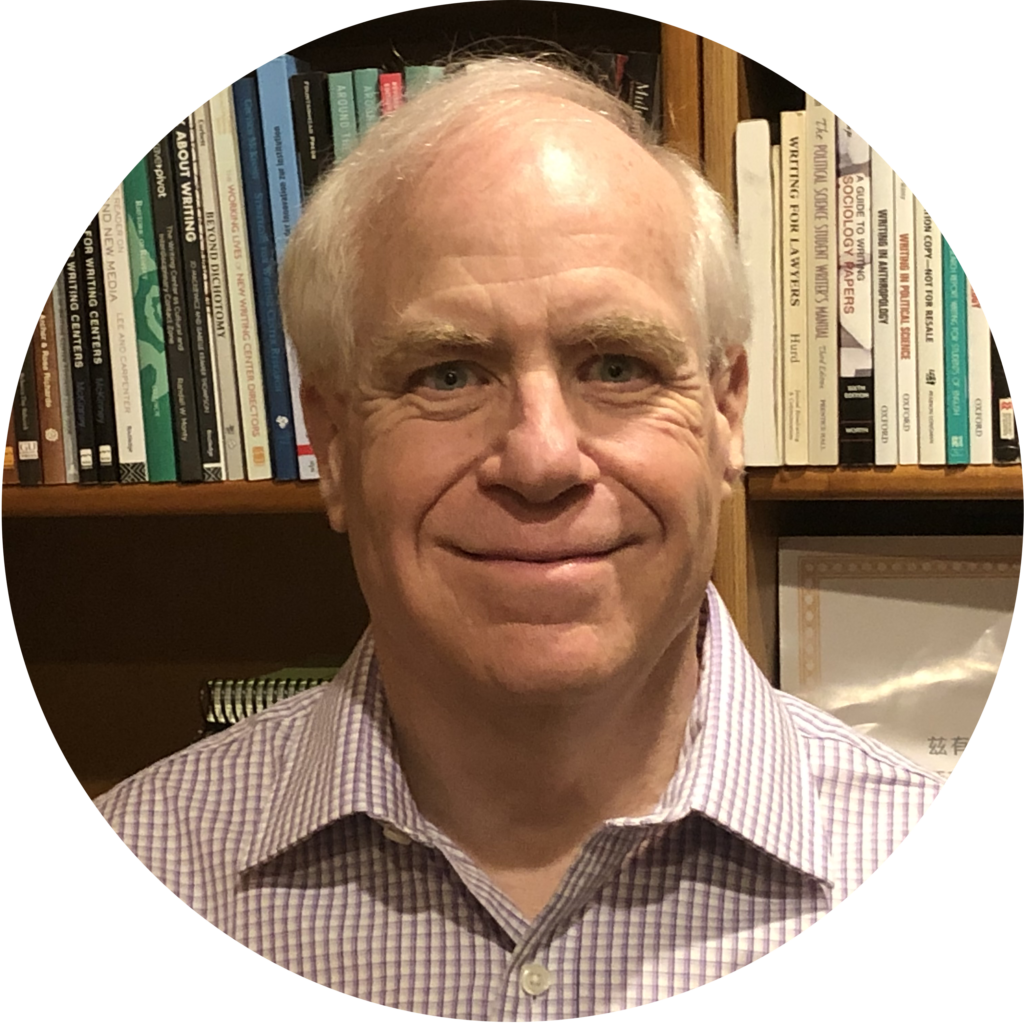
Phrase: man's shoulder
(839, 754)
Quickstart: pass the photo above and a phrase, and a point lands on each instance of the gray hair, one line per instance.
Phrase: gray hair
(320, 273)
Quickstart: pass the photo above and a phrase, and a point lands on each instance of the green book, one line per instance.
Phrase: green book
(954, 350)
(419, 76)
(149, 326)
(342, 100)
(367, 97)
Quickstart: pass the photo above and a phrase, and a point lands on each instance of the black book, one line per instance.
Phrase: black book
(311, 120)
(181, 385)
(81, 385)
(641, 85)
(1005, 441)
(198, 329)
(101, 378)
(26, 424)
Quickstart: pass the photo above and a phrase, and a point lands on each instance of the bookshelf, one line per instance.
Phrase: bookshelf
(126, 598)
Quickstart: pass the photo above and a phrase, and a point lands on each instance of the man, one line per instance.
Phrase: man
(549, 782)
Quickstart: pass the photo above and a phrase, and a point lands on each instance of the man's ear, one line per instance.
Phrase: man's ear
(730, 382)
(324, 417)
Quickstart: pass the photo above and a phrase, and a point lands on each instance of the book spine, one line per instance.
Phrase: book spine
(81, 388)
(794, 307)
(312, 125)
(100, 374)
(124, 350)
(344, 128)
(197, 321)
(47, 384)
(778, 292)
(239, 287)
(218, 312)
(367, 98)
(392, 93)
(822, 342)
(979, 381)
(756, 237)
(954, 347)
(906, 322)
(26, 421)
(931, 387)
(264, 280)
(641, 85)
(285, 207)
(154, 391)
(884, 328)
(1005, 440)
(856, 319)
(67, 404)
(10, 461)
(160, 164)
(419, 76)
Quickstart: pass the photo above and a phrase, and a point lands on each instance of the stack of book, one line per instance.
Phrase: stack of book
(160, 354)
(869, 344)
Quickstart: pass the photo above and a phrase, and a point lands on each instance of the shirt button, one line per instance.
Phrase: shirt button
(536, 979)
(395, 835)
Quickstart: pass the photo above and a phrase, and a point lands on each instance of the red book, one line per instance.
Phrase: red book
(390, 91)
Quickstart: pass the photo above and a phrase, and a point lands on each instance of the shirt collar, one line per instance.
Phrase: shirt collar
(742, 764)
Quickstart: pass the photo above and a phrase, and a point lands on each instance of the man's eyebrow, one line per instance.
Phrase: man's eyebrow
(429, 338)
(628, 335)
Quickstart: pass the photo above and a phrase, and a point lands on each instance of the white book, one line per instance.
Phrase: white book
(856, 317)
(756, 223)
(67, 403)
(238, 280)
(124, 349)
(979, 381)
(778, 287)
(822, 348)
(221, 334)
(793, 247)
(931, 371)
(899, 637)
(906, 321)
(883, 264)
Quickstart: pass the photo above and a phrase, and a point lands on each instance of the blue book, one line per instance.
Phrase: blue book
(954, 350)
(367, 98)
(264, 273)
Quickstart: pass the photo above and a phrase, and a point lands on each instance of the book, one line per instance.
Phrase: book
(342, 102)
(277, 387)
(124, 352)
(217, 306)
(954, 348)
(26, 422)
(822, 338)
(1005, 439)
(419, 76)
(979, 380)
(856, 317)
(81, 388)
(883, 293)
(47, 388)
(906, 322)
(198, 331)
(98, 347)
(285, 207)
(154, 387)
(367, 98)
(755, 224)
(641, 85)
(778, 292)
(312, 126)
(181, 385)
(239, 288)
(937, 611)
(67, 403)
(10, 461)
(931, 385)
(391, 91)
(793, 244)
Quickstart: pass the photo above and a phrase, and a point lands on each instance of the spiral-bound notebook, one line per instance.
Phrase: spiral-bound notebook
(225, 702)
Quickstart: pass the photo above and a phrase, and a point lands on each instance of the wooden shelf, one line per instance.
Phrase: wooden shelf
(891, 483)
(227, 498)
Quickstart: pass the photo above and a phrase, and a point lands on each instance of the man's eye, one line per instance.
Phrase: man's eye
(617, 369)
(446, 377)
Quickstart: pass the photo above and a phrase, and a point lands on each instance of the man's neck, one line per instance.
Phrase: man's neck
(519, 785)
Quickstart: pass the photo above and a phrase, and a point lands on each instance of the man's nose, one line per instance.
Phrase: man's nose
(539, 456)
